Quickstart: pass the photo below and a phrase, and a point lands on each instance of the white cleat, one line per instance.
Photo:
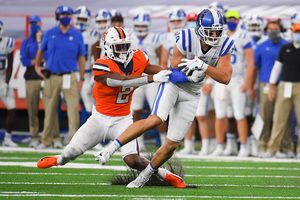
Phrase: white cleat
(231, 149)
(186, 151)
(217, 152)
(140, 181)
(9, 143)
(244, 152)
(102, 156)
(204, 152)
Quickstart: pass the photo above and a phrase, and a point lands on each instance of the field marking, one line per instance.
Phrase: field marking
(184, 157)
(28, 194)
(106, 174)
(124, 168)
(200, 185)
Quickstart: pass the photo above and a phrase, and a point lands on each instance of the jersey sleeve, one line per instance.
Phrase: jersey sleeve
(184, 41)
(100, 67)
(95, 36)
(227, 47)
(10, 45)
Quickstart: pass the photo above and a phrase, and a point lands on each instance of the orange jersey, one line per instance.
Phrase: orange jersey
(116, 101)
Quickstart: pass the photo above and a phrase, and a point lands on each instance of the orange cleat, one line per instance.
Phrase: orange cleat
(47, 162)
(175, 180)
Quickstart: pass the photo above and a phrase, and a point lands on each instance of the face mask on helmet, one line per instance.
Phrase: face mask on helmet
(141, 23)
(82, 17)
(210, 26)
(177, 20)
(117, 45)
(254, 25)
(103, 20)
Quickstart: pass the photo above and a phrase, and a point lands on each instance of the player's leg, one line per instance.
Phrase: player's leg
(164, 102)
(87, 136)
(10, 104)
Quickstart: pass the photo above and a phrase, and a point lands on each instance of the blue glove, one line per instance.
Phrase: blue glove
(177, 76)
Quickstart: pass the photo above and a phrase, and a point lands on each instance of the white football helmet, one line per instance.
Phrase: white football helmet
(117, 45)
(103, 20)
(254, 24)
(82, 18)
(177, 20)
(1, 29)
(141, 23)
(209, 20)
(295, 19)
(217, 6)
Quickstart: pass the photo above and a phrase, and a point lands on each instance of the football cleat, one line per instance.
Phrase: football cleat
(140, 181)
(48, 161)
(102, 156)
(175, 181)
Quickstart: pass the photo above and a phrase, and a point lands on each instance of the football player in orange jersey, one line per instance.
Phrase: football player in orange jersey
(116, 75)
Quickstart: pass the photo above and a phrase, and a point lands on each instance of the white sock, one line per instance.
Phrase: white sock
(7, 135)
(188, 144)
(205, 143)
(114, 146)
(220, 146)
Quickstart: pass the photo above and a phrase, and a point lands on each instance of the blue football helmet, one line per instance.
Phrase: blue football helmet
(141, 23)
(103, 20)
(218, 7)
(209, 21)
(1, 29)
(177, 20)
(254, 25)
(82, 18)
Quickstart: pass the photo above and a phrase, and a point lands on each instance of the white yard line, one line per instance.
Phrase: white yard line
(140, 196)
(183, 157)
(107, 174)
(122, 168)
(200, 185)
(28, 194)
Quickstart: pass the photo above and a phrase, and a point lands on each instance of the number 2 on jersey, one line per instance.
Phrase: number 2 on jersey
(123, 96)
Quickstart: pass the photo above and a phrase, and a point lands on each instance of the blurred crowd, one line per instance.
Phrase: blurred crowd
(256, 114)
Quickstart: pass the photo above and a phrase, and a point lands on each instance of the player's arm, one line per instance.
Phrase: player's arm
(177, 56)
(10, 59)
(38, 60)
(223, 73)
(153, 69)
(96, 50)
(250, 70)
(114, 79)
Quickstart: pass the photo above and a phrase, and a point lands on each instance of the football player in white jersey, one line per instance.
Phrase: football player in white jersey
(82, 18)
(255, 26)
(211, 49)
(7, 46)
(102, 23)
(150, 43)
(234, 94)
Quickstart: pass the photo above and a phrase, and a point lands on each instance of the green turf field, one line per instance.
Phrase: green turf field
(206, 178)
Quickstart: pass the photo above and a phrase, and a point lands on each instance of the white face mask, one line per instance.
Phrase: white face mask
(296, 37)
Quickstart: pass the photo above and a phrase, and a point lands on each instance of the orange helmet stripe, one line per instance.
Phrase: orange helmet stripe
(120, 32)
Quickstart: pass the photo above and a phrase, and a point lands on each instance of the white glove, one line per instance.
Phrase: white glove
(197, 76)
(162, 76)
(3, 89)
(191, 65)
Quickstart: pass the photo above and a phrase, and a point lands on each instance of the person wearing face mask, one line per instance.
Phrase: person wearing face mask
(265, 56)
(234, 97)
(65, 47)
(288, 92)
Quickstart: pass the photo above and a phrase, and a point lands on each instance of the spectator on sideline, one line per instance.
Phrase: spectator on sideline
(7, 95)
(64, 46)
(288, 92)
(28, 50)
(265, 55)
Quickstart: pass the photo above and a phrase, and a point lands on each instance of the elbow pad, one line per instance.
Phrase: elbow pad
(127, 83)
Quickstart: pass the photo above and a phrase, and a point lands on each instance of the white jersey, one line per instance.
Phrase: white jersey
(7, 45)
(149, 45)
(242, 41)
(169, 43)
(189, 45)
(90, 37)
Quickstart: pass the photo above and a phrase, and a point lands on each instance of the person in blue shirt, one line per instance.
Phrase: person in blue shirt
(28, 50)
(65, 47)
(265, 56)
